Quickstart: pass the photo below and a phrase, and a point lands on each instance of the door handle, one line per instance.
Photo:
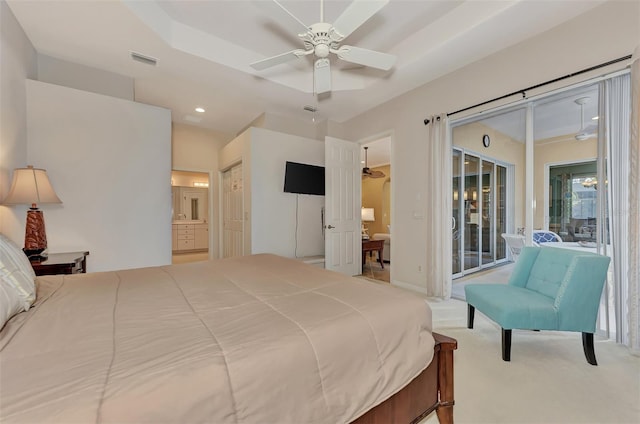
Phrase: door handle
(330, 226)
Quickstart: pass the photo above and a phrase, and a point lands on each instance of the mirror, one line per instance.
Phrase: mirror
(190, 196)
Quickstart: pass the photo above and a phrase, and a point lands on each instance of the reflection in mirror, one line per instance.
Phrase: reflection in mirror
(189, 191)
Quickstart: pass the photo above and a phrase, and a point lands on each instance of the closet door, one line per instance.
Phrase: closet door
(232, 212)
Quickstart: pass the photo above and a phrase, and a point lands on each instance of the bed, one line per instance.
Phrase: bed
(255, 339)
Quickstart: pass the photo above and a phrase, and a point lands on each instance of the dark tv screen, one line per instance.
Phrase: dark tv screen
(304, 179)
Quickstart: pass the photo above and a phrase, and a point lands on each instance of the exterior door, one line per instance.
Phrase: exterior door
(232, 212)
(343, 241)
(479, 212)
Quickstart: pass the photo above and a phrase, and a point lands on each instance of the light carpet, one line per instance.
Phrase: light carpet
(547, 381)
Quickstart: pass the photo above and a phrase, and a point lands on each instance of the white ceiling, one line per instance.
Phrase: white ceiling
(204, 49)
(553, 116)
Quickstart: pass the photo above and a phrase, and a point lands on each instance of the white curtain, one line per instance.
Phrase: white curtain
(439, 214)
(633, 298)
(616, 111)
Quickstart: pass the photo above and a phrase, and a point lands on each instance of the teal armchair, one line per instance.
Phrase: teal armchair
(549, 289)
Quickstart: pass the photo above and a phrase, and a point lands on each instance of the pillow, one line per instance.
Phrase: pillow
(10, 303)
(10, 248)
(16, 271)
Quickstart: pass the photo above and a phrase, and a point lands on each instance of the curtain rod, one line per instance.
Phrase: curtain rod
(524, 90)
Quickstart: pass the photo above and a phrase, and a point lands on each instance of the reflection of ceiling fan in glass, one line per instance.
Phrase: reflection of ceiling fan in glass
(368, 172)
(584, 132)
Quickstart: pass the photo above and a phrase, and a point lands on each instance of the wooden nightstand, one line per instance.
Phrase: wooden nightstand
(62, 263)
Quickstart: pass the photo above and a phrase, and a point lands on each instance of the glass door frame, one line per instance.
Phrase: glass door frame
(462, 188)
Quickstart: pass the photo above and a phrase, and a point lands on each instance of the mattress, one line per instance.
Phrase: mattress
(256, 339)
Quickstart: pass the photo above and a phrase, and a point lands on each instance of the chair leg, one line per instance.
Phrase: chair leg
(470, 315)
(587, 345)
(506, 345)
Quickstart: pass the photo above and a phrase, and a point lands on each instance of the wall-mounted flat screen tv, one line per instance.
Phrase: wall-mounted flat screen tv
(304, 179)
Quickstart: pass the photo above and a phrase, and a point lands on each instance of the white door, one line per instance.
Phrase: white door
(343, 241)
(232, 212)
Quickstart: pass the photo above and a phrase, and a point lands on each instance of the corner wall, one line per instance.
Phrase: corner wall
(109, 161)
(286, 224)
(17, 63)
(269, 212)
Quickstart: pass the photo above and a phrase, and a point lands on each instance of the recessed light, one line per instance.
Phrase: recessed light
(199, 110)
(595, 118)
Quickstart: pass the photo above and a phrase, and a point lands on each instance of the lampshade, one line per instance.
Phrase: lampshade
(368, 215)
(30, 186)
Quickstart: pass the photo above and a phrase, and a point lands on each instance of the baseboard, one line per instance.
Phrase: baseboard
(403, 285)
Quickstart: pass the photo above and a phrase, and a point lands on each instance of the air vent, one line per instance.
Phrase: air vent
(310, 108)
(144, 59)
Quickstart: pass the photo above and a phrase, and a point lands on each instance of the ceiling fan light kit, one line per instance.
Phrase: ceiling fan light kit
(584, 133)
(322, 39)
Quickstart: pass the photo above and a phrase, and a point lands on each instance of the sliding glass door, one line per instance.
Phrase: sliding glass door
(479, 212)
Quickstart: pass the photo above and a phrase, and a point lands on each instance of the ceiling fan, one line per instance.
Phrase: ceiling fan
(322, 39)
(366, 171)
(584, 133)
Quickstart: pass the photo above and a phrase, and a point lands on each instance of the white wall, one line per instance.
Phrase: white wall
(196, 149)
(17, 63)
(86, 78)
(109, 161)
(273, 211)
(607, 32)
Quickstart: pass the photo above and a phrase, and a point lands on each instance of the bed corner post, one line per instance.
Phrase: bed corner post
(446, 346)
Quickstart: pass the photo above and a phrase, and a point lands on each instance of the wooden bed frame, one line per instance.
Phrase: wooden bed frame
(430, 390)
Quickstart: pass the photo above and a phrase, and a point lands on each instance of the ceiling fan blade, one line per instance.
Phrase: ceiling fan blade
(357, 13)
(366, 57)
(274, 9)
(322, 76)
(277, 60)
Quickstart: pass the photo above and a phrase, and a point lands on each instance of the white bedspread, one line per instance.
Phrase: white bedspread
(258, 339)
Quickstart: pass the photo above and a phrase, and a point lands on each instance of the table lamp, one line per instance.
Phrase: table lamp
(367, 216)
(31, 186)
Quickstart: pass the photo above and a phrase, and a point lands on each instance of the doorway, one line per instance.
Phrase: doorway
(189, 216)
(376, 207)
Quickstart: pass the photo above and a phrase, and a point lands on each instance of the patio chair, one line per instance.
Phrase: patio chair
(544, 236)
(515, 243)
